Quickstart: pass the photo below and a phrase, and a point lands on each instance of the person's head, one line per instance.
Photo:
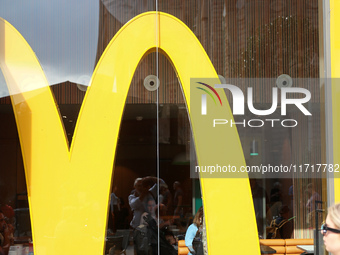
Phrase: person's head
(331, 230)
(277, 185)
(176, 185)
(161, 210)
(169, 236)
(284, 211)
(198, 219)
(151, 204)
(310, 188)
(138, 185)
(163, 188)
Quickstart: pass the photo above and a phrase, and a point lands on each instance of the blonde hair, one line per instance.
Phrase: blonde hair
(334, 214)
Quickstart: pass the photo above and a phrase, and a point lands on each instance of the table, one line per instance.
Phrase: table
(116, 241)
(266, 249)
(308, 249)
(22, 239)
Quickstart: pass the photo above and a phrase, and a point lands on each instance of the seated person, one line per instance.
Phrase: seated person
(194, 230)
(150, 210)
(170, 237)
(6, 234)
(281, 227)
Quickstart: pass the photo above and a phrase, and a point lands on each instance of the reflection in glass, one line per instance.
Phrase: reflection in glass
(252, 39)
(163, 205)
(244, 39)
(63, 36)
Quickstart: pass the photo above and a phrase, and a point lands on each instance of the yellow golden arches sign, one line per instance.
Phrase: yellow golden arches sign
(335, 63)
(68, 188)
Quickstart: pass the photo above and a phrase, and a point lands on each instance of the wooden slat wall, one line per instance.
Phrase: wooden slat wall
(64, 93)
(244, 39)
(5, 100)
(67, 93)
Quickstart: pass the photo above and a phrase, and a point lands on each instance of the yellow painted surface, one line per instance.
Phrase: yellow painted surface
(335, 69)
(68, 189)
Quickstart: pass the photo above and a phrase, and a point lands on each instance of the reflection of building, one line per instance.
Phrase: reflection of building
(243, 39)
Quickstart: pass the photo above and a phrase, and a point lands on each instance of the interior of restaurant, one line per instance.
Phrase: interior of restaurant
(155, 132)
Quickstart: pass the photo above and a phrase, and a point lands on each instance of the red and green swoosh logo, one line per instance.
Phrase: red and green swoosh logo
(209, 93)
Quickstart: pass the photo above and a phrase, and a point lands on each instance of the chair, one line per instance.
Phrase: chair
(112, 251)
(125, 233)
(182, 248)
(113, 241)
(286, 246)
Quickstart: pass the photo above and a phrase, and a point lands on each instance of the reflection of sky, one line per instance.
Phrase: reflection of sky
(62, 33)
(125, 10)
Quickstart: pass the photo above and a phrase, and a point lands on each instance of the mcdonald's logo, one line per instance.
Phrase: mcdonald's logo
(68, 186)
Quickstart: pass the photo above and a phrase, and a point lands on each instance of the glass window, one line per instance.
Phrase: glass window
(257, 44)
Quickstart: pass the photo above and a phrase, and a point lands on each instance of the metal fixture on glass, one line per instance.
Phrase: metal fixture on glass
(151, 82)
(284, 81)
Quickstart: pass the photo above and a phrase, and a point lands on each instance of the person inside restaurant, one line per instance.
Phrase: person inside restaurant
(194, 231)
